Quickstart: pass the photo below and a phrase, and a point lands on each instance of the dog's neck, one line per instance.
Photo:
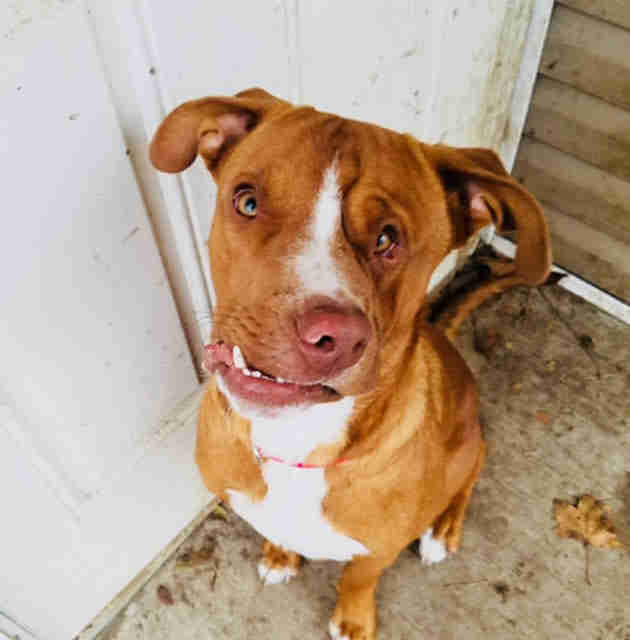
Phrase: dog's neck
(293, 434)
(317, 434)
(401, 393)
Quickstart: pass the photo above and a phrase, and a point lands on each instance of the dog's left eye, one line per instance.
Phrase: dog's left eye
(245, 203)
(386, 240)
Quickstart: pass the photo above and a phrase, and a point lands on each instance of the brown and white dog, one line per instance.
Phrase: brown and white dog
(338, 422)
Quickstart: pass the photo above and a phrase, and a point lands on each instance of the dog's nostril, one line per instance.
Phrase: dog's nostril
(325, 343)
(331, 338)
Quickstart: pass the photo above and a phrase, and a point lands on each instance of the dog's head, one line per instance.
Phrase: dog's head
(329, 235)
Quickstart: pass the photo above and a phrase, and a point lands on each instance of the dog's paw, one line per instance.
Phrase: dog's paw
(347, 631)
(277, 565)
(335, 632)
(431, 550)
(269, 575)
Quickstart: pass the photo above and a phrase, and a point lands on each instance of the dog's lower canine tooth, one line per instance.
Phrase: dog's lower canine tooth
(247, 372)
(256, 374)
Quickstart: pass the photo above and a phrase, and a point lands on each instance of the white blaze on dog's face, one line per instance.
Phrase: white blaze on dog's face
(315, 264)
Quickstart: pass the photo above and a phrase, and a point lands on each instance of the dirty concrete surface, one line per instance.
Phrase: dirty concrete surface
(554, 374)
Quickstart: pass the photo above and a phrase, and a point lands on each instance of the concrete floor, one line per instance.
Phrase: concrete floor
(555, 385)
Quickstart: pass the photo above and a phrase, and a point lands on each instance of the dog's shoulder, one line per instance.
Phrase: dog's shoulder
(224, 453)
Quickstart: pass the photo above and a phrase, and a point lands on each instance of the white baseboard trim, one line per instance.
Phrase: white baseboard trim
(10, 629)
(573, 283)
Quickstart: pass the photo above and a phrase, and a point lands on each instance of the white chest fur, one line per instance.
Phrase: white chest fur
(291, 514)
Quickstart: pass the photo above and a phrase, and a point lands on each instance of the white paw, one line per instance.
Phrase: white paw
(275, 576)
(431, 550)
(334, 632)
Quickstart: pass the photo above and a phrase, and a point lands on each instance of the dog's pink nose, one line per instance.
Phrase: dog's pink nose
(332, 338)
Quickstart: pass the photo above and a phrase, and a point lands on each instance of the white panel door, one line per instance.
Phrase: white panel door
(93, 483)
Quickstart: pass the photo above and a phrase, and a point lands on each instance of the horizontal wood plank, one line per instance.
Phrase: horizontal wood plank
(596, 256)
(615, 11)
(575, 156)
(580, 190)
(581, 125)
(588, 54)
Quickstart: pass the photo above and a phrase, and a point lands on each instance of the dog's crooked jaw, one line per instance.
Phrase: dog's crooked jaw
(257, 387)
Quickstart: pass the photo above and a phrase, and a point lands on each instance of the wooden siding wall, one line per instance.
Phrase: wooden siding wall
(575, 151)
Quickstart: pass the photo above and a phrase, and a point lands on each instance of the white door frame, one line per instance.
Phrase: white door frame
(122, 31)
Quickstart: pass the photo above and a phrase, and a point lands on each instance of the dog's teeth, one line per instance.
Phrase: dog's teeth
(247, 372)
(237, 357)
(256, 374)
(280, 380)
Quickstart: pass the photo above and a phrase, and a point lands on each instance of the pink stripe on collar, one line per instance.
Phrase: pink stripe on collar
(260, 455)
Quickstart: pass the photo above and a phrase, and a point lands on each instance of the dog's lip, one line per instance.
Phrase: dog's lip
(215, 354)
(260, 387)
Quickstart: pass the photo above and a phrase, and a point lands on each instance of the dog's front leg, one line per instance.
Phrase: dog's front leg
(355, 614)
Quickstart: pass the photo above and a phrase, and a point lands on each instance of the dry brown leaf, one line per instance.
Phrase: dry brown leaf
(194, 559)
(164, 595)
(587, 521)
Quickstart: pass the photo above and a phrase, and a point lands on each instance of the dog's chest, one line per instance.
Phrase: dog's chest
(291, 514)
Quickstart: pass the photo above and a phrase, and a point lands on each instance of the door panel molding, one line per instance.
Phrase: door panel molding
(11, 629)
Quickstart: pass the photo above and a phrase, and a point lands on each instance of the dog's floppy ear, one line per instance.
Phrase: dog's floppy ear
(480, 191)
(209, 127)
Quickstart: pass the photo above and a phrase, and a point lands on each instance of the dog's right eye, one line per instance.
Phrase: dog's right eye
(386, 241)
(245, 202)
